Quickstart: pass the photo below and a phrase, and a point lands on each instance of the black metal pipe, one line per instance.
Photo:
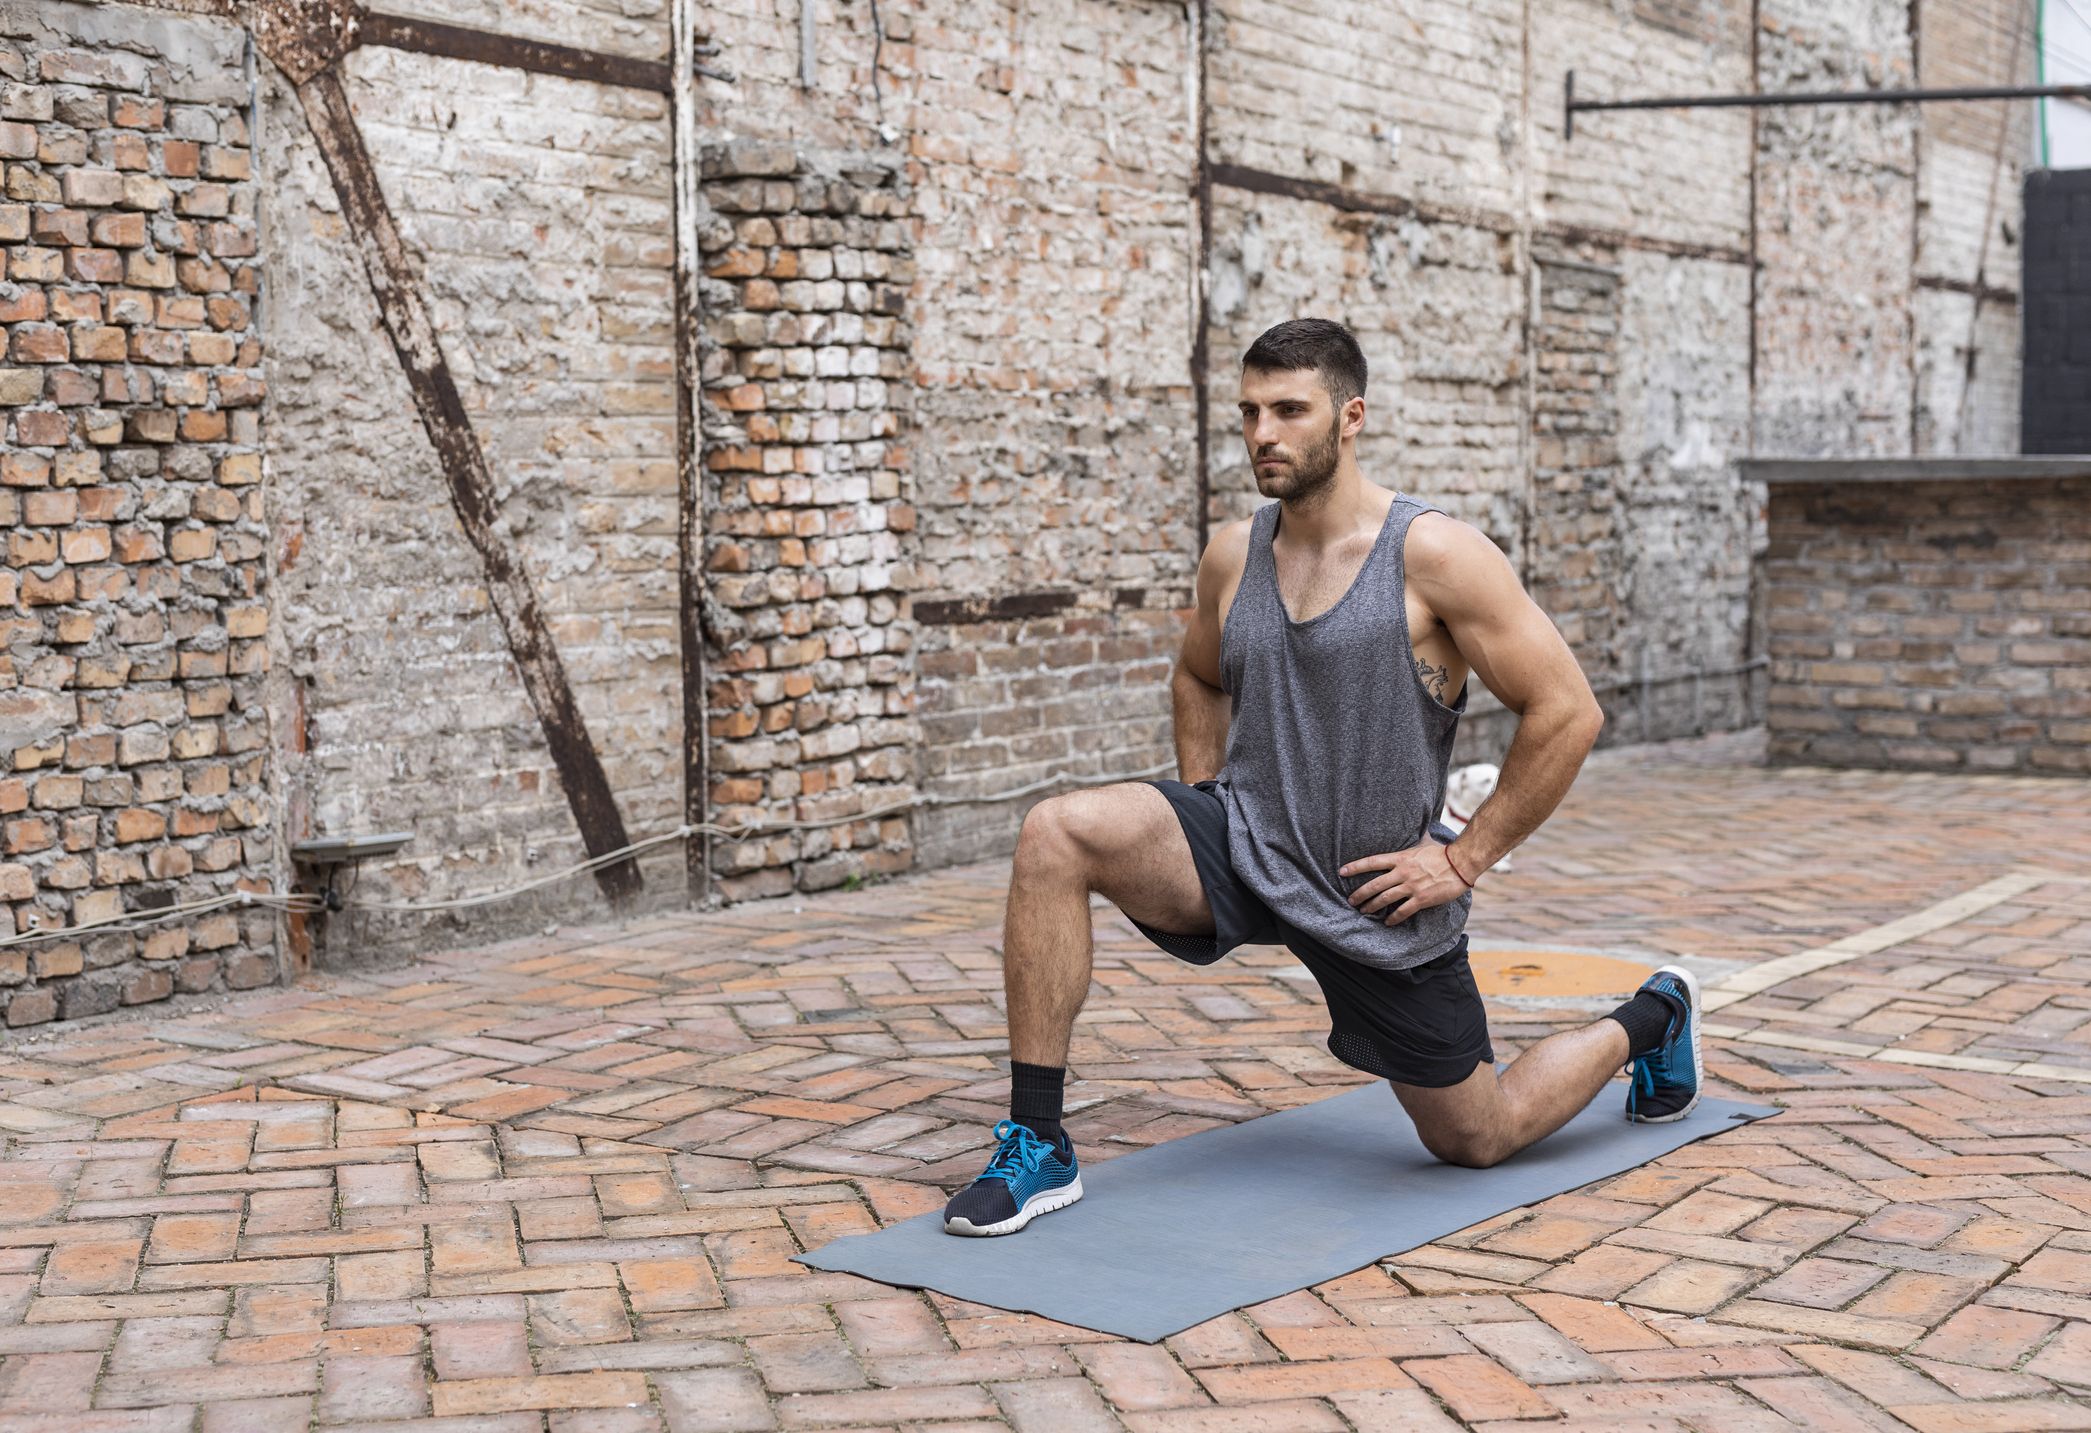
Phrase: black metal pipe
(1970, 92)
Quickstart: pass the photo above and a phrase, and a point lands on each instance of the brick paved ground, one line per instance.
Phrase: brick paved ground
(557, 1184)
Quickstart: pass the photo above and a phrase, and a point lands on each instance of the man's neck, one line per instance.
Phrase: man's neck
(1347, 507)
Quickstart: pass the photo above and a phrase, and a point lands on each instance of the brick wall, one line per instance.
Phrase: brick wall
(538, 211)
(808, 267)
(1418, 98)
(1888, 234)
(134, 595)
(1642, 225)
(1836, 210)
(1679, 177)
(948, 521)
(1969, 159)
(1053, 155)
(1580, 527)
(1931, 624)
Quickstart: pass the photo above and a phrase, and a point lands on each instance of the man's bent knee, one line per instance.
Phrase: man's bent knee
(1465, 1124)
(1470, 1149)
(1087, 831)
(1045, 842)
(1124, 842)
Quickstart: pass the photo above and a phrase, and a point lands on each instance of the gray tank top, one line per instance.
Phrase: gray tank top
(1335, 750)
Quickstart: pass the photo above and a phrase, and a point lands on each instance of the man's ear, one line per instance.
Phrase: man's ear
(1353, 417)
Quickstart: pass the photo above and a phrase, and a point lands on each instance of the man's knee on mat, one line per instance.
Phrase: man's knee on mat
(1470, 1149)
(1464, 1129)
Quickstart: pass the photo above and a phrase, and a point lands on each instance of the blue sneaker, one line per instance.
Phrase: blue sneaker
(1026, 1178)
(1665, 1083)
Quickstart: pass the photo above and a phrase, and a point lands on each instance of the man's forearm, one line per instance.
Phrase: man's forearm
(1541, 765)
(1202, 714)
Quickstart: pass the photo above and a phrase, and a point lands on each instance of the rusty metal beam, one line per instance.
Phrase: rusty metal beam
(1987, 293)
(456, 42)
(208, 9)
(1955, 94)
(1015, 606)
(1356, 201)
(306, 39)
(407, 321)
(1643, 243)
(992, 609)
(304, 36)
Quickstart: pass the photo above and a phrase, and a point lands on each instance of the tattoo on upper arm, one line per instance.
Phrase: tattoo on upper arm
(1434, 678)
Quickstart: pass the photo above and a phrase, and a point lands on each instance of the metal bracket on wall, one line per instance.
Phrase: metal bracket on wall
(1575, 106)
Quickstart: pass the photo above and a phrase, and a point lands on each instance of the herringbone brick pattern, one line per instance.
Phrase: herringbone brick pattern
(557, 1185)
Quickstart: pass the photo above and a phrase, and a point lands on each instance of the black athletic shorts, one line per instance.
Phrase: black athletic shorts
(1420, 1026)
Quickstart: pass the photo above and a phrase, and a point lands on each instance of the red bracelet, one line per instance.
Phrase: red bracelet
(1455, 867)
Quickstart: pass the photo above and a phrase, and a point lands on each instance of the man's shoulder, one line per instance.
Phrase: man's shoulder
(1453, 566)
(1227, 550)
(1438, 542)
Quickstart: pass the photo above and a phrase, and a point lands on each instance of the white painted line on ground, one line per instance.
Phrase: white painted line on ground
(1977, 1063)
(2040, 1069)
(1951, 911)
(1757, 979)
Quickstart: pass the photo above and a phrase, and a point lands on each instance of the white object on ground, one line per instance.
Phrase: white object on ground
(1465, 790)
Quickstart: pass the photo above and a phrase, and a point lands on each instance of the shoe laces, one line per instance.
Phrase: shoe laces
(1019, 1153)
(1644, 1078)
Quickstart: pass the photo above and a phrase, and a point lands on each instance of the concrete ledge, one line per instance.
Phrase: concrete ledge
(1930, 625)
(1912, 470)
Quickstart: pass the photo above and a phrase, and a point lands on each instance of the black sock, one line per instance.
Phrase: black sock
(1646, 1019)
(1035, 1096)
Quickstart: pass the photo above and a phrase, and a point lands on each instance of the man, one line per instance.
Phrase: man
(1327, 661)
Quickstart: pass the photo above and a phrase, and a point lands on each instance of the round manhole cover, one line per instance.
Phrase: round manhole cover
(1555, 972)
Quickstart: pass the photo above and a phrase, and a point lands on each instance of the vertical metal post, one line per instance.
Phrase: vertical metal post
(1916, 227)
(1750, 371)
(1199, 14)
(807, 71)
(1647, 722)
(689, 450)
(2040, 74)
(1528, 328)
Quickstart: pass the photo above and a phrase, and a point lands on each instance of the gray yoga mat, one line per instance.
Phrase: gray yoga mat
(1171, 1236)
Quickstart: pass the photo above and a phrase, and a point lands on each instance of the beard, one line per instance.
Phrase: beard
(1311, 471)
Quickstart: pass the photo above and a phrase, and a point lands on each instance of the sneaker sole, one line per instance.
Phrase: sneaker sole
(1044, 1202)
(1691, 986)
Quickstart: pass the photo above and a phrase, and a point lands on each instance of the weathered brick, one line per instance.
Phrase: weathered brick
(93, 187)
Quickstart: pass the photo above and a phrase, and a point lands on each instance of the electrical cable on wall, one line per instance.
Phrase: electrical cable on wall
(305, 902)
(309, 903)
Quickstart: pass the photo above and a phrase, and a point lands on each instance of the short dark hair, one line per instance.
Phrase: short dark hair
(1318, 343)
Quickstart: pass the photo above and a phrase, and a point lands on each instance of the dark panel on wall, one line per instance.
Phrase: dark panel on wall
(2056, 416)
